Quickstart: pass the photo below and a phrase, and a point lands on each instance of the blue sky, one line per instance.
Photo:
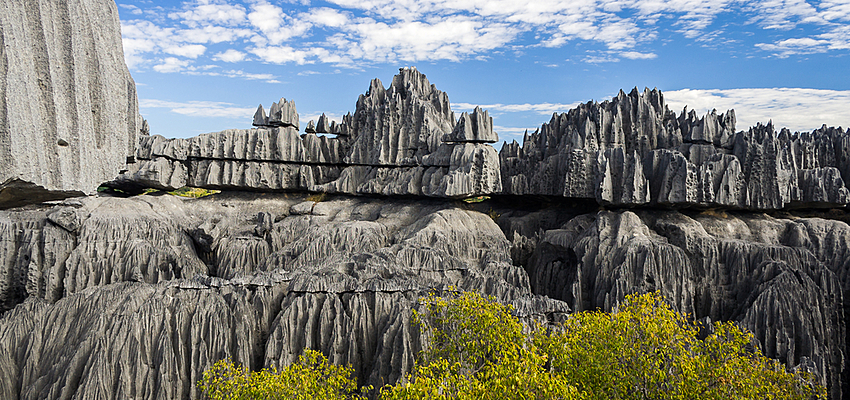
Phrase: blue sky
(204, 65)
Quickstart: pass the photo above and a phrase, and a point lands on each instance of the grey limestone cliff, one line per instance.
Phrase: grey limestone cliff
(160, 287)
(785, 280)
(164, 286)
(68, 108)
(633, 151)
(392, 145)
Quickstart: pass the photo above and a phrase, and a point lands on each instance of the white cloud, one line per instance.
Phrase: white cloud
(171, 64)
(794, 108)
(275, 25)
(206, 109)
(206, 11)
(285, 54)
(599, 58)
(186, 50)
(230, 56)
(269, 78)
(213, 34)
(327, 17)
(634, 55)
(539, 108)
(350, 33)
(131, 8)
(835, 10)
(783, 14)
(788, 47)
(452, 38)
(787, 14)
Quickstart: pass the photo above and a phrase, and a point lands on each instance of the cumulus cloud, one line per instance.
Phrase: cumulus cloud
(206, 109)
(230, 55)
(171, 64)
(635, 55)
(186, 50)
(794, 108)
(206, 11)
(349, 33)
(275, 25)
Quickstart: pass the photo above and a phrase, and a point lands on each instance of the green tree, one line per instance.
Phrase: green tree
(645, 350)
(477, 351)
(311, 377)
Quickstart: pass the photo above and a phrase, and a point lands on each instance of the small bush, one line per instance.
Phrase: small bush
(193, 192)
(311, 377)
(317, 198)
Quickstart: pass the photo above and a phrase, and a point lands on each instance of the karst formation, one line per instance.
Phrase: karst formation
(326, 237)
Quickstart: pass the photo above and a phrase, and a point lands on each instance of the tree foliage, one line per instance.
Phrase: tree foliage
(648, 351)
(645, 350)
(311, 377)
(476, 349)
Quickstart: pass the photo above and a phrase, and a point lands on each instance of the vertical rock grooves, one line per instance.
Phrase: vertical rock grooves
(69, 155)
(340, 276)
(633, 150)
(44, 102)
(5, 129)
(398, 142)
(65, 95)
(786, 280)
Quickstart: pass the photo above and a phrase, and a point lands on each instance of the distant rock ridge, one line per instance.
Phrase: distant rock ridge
(392, 145)
(404, 140)
(633, 150)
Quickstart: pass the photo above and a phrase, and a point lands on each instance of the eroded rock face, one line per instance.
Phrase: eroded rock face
(259, 277)
(474, 128)
(162, 287)
(392, 145)
(68, 108)
(403, 140)
(633, 150)
(783, 279)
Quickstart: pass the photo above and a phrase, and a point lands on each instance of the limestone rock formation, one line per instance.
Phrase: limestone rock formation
(765, 273)
(68, 109)
(259, 277)
(161, 287)
(402, 140)
(475, 128)
(633, 150)
(400, 124)
(323, 126)
(391, 145)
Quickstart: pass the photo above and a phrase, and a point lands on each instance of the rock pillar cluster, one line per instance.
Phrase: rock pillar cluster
(632, 150)
(401, 140)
